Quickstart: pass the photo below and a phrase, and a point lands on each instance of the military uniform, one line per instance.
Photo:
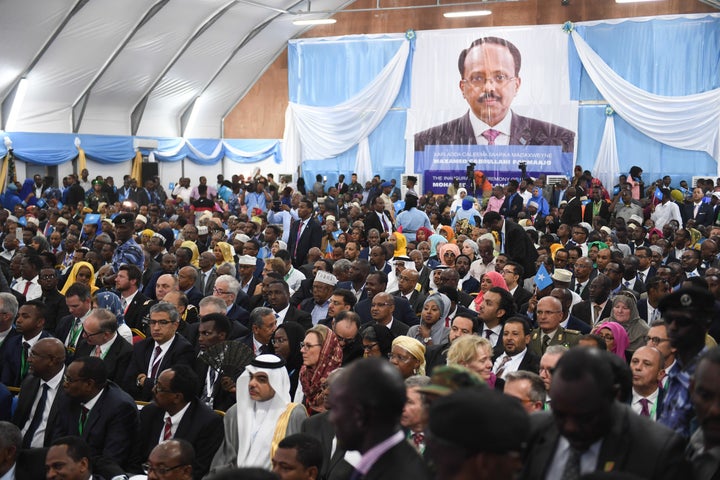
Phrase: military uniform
(128, 252)
(565, 337)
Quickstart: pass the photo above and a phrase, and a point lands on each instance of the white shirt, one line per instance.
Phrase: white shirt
(664, 213)
(494, 335)
(54, 384)
(280, 316)
(34, 290)
(91, 403)
(588, 460)
(163, 350)
(105, 346)
(652, 403)
(10, 474)
(511, 366)
(503, 127)
(294, 278)
(174, 422)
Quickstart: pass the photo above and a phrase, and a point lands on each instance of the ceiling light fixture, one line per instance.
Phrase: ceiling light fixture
(314, 21)
(468, 13)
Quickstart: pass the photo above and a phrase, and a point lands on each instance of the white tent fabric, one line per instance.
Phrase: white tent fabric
(689, 122)
(135, 67)
(607, 164)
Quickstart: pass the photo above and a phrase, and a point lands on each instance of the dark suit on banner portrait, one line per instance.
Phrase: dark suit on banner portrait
(524, 131)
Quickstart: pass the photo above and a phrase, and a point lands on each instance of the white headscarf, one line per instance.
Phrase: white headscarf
(257, 420)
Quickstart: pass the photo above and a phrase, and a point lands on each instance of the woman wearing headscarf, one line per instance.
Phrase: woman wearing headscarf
(489, 279)
(543, 205)
(423, 234)
(223, 254)
(81, 272)
(285, 343)
(110, 301)
(615, 336)
(625, 312)
(457, 203)
(195, 252)
(447, 232)
(436, 241)
(377, 341)
(447, 253)
(408, 356)
(432, 329)
(321, 354)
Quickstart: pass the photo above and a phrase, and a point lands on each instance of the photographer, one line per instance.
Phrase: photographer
(256, 197)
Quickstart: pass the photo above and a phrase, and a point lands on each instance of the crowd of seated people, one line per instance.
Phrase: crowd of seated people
(359, 330)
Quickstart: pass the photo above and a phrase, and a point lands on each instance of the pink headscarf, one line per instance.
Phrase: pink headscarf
(497, 281)
(621, 337)
(444, 248)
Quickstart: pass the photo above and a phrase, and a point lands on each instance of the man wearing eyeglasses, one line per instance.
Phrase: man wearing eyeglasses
(162, 349)
(170, 460)
(100, 413)
(100, 339)
(489, 81)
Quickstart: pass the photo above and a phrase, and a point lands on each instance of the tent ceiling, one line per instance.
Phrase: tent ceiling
(135, 67)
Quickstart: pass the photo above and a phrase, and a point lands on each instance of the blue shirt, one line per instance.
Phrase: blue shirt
(253, 200)
(677, 409)
(128, 253)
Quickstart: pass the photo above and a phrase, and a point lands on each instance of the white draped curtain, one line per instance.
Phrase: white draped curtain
(690, 122)
(314, 133)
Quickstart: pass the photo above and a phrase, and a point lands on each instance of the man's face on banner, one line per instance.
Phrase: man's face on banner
(489, 83)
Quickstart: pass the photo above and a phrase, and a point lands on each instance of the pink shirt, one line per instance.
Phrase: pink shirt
(494, 204)
(374, 454)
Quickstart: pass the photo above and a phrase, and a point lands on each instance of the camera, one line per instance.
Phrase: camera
(276, 206)
(523, 169)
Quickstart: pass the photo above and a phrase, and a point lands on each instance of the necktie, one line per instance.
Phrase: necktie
(97, 352)
(488, 333)
(24, 363)
(37, 418)
(83, 418)
(297, 240)
(123, 303)
(27, 287)
(597, 310)
(578, 288)
(572, 467)
(385, 224)
(545, 342)
(448, 321)
(167, 431)
(641, 276)
(156, 363)
(418, 439)
(503, 363)
(213, 377)
(490, 135)
(645, 411)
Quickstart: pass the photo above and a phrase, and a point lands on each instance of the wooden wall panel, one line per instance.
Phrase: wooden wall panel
(261, 113)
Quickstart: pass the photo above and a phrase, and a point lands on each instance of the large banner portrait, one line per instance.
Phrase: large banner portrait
(491, 100)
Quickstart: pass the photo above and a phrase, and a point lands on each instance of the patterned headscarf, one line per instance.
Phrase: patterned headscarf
(313, 378)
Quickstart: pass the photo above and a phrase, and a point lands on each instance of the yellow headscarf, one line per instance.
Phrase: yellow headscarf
(400, 245)
(414, 348)
(72, 277)
(227, 253)
(195, 252)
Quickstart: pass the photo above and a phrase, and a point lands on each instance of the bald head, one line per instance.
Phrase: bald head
(47, 358)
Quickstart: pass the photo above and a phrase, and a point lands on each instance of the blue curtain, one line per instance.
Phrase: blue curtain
(674, 56)
(327, 72)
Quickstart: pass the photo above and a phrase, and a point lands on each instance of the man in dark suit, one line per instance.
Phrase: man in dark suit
(321, 428)
(187, 277)
(127, 282)
(30, 322)
(597, 306)
(69, 328)
(342, 186)
(100, 413)
(513, 203)
(278, 295)
(41, 392)
(583, 381)
(366, 403)
(597, 207)
(214, 328)
(696, 209)
(436, 355)
(8, 312)
(381, 311)
(309, 231)
(569, 322)
(583, 274)
(514, 241)
(227, 288)
(407, 283)
(513, 273)
(207, 274)
(516, 356)
(100, 339)
(402, 311)
(164, 347)
(379, 219)
(489, 81)
(177, 413)
(54, 301)
(572, 215)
